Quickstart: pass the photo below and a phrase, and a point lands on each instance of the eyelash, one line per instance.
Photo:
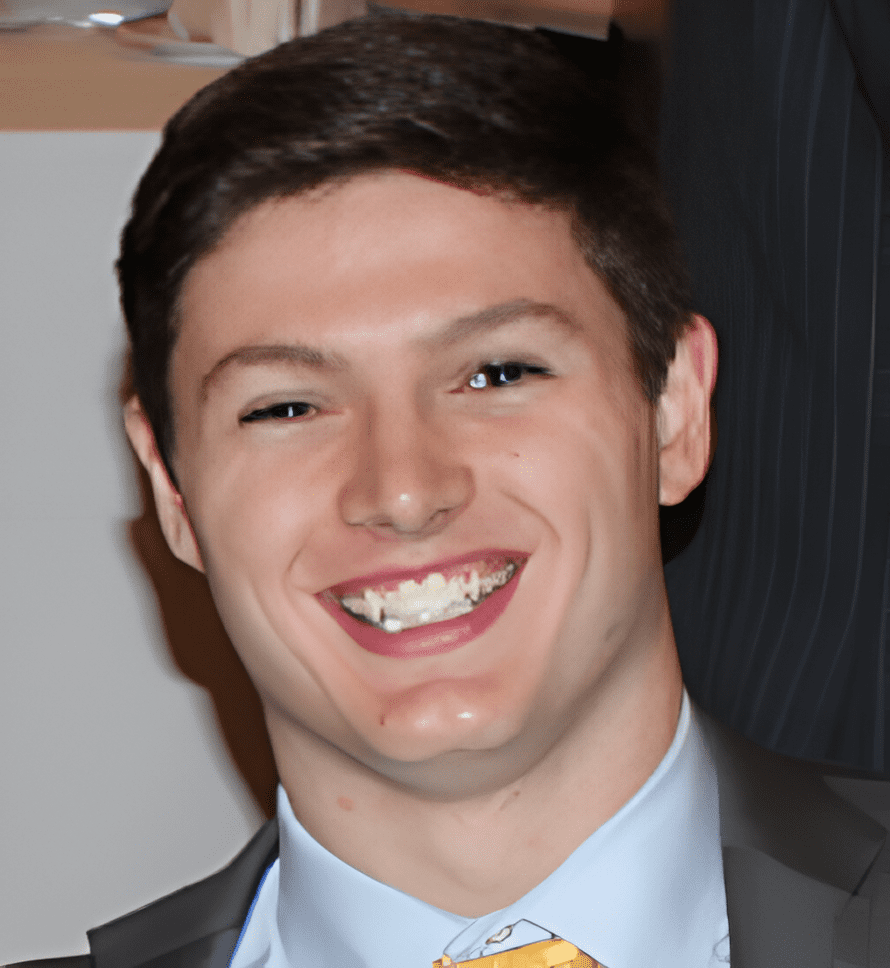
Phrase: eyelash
(504, 374)
(493, 374)
(278, 411)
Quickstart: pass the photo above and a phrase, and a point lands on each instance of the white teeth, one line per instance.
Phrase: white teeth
(435, 599)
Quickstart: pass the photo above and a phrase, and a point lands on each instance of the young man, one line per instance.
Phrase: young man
(415, 363)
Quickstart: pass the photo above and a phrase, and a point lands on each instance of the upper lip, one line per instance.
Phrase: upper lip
(395, 575)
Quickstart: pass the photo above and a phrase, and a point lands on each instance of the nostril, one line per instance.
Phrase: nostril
(404, 485)
(422, 523)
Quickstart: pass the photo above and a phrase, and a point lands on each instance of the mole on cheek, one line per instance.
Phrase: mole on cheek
(345, 803)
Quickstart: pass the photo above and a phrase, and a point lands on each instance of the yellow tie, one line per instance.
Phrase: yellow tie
(553, 953)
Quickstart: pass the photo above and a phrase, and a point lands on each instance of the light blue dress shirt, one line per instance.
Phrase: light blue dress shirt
(643, 891)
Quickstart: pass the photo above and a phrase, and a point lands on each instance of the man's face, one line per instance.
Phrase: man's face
(399, 381)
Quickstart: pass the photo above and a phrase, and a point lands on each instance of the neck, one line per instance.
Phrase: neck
(476, 854)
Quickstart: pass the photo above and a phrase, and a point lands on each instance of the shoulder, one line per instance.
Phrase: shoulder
(197, 925)
(198, 922)
(807, 816)
(76, 961)
(804, 864)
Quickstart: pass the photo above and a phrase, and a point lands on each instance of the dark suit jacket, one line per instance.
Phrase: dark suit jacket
(772, 148)
(807, 883)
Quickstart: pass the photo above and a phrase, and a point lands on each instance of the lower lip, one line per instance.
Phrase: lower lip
(434, 639)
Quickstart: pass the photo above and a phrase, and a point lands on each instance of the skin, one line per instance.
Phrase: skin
(434, 774)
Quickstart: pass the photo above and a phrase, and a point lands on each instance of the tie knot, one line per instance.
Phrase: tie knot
(553, 953)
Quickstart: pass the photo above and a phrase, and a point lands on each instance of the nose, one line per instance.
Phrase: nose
(408, 481)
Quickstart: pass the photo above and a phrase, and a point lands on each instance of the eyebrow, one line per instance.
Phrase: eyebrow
(494, 317)
(454, 332)
(292, 354)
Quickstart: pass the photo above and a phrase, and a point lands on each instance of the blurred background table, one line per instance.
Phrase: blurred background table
(55, 78)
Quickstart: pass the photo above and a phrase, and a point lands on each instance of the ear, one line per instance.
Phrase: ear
(684, 413)
(171, 510)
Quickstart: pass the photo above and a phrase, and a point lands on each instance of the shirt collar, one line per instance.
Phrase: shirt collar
(645, 888)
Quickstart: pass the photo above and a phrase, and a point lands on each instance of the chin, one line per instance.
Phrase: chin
(422, 741)
(452, 775)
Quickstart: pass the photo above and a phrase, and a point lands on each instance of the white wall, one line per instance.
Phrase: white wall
(116, 785)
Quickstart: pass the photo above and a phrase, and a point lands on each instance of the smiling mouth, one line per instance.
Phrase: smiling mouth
(398, 606)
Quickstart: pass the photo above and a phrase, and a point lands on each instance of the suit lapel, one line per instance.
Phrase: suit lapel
(778, 917)
(197, 926)
(793, 853)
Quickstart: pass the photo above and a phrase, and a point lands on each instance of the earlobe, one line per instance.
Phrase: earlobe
(171, 510)
(684, 414)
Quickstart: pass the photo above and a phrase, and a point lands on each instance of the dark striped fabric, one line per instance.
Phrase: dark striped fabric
(772, 150)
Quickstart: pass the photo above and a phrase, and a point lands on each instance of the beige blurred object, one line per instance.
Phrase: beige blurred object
(251, 26)
(315, 15)
(644, 19)
(587, 17)
(247, 27)
(54, 77)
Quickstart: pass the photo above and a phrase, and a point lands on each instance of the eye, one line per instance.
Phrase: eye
(279, 411)
(504, 374)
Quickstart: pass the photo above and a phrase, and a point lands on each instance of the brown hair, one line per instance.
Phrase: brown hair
(476, 105)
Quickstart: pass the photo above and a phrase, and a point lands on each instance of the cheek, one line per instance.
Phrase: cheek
(597, 477)
(596, 464)
(258, 511)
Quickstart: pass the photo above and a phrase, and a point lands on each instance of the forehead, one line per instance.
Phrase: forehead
(386, 257)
